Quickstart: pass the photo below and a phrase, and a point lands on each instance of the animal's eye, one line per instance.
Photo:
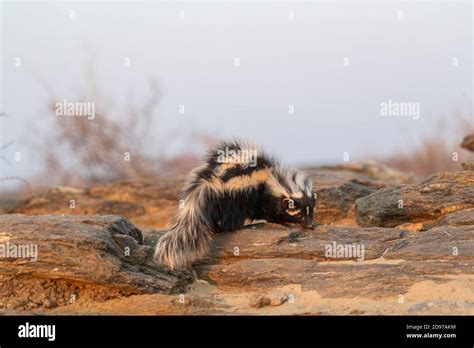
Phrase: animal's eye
(289, 204)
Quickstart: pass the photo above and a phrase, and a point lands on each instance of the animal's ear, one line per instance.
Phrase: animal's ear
(288, 203)
(315, 196)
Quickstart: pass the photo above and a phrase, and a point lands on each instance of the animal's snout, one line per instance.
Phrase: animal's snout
(308, 222)
(308, 219)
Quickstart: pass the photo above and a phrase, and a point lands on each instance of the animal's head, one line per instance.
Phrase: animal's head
(293, 199)
(299, 209)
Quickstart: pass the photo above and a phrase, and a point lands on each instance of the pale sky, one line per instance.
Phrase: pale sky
(285, 58)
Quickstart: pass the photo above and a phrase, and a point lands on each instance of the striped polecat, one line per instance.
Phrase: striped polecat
(238, 182)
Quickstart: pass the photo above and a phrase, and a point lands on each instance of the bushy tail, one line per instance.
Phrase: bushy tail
(189, 239)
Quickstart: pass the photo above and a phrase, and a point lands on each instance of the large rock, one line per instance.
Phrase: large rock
(95, 257)
(258, 269)
(468, 142)
(339, 186)
(262, 241)
(437, 196)
(446, 243)
(336, 204)
(395, 261)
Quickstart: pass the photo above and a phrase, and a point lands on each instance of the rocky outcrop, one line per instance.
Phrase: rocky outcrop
(51, 260)
(386, 263)
(263, 241)
(263, 268)
(339, 186)
(384, 243)
(428, 201)
(468, 142)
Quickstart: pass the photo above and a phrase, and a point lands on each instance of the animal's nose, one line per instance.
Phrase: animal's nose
(308, 222)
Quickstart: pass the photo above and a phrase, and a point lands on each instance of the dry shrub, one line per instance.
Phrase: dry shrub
(434, 152)
(80, 151)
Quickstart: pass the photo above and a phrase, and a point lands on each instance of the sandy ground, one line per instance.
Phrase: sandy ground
(454, 296)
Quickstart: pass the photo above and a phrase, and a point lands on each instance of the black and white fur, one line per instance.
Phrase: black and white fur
(222, 196)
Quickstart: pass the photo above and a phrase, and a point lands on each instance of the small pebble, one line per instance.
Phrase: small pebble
(259, 301)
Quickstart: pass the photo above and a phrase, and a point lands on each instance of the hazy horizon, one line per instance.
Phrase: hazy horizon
(287, 61)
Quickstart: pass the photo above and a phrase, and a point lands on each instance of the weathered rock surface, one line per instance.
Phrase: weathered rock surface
(393, 260)
(430, 200)
(366, 255)
(264, 268)
(458, 218)
(468, 165)
(468, 142)
(339, 186)
(263, 241)
(97, 257)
